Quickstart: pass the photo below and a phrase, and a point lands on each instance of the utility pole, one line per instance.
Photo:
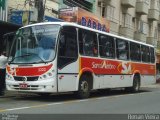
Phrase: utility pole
(40, 6)
(2, 8)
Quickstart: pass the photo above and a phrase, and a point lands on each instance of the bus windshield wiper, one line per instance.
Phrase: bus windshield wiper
(27, 54)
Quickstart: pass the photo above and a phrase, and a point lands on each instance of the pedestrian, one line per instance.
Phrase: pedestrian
(3, 62)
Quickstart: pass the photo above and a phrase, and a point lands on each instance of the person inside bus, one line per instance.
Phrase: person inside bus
(3, 62)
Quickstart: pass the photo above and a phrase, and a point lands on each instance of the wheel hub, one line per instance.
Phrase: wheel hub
(84, 86)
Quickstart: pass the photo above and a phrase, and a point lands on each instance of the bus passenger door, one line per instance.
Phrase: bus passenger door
(67, 63)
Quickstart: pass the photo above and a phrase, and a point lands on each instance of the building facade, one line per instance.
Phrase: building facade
(135, 19)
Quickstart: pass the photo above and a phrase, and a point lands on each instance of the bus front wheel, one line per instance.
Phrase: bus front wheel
(84, 88)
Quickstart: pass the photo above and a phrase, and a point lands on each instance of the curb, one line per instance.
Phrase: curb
(8, 94)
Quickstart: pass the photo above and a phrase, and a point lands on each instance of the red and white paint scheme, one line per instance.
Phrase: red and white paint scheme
(63, 65)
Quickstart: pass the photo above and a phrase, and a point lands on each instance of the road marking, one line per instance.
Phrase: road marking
(69, 102)
(3, 110)
(17, 108)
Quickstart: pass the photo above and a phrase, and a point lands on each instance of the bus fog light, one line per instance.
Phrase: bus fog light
(40, 78)
(44, 76)
(50, 74)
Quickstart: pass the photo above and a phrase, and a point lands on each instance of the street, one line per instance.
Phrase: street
(114, 102)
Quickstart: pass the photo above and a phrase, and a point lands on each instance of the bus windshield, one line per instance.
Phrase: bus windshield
(34, 44)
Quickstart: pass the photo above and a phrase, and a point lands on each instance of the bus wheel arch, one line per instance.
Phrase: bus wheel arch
(85, 85)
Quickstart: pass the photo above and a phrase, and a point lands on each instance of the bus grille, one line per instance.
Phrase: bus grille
(29, 87)
(28, 78)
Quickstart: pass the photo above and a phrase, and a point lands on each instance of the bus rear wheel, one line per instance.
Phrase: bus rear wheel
(136, 85)
(84, 88)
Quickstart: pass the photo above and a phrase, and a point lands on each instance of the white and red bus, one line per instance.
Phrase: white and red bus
(60, 57)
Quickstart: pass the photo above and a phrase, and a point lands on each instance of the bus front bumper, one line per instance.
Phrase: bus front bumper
(40, 86)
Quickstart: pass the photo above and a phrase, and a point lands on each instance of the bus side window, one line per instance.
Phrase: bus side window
(122, 49)
(88, 43)
(106, 46)
(145, 53)
(135, 54)
(152, 55)
(68, 50)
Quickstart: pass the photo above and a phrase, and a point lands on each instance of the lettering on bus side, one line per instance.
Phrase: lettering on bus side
(123, 67)
(102, 65)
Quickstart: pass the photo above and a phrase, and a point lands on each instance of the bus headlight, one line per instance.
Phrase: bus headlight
(46, 76)
(8, 76)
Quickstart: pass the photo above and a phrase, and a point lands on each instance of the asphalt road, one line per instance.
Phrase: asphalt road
(147, 101)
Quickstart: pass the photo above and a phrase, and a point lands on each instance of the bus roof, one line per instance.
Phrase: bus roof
(87, 28)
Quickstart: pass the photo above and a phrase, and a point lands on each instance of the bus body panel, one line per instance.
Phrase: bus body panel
(112, 81)
(147, 80)
(116, 73)
(68, 77)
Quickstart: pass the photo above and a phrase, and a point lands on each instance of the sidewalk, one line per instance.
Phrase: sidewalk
(9, 94)
(157, 85)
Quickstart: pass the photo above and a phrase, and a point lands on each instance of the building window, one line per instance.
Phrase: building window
(103, 11)
(110, 13)
(84, 4)
(156, 33)
(143, 27)
(127, 20)
(145, 1)
(157, 4)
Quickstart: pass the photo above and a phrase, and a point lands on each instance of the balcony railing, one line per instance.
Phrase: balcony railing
(153, 14)
(152, 41)
(142, 8)
(139, 36)
(126, 32)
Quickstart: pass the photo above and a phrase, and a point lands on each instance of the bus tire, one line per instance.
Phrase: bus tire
(136, 85)
(84, 87)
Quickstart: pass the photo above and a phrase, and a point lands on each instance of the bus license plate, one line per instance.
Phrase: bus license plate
(23, 85)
